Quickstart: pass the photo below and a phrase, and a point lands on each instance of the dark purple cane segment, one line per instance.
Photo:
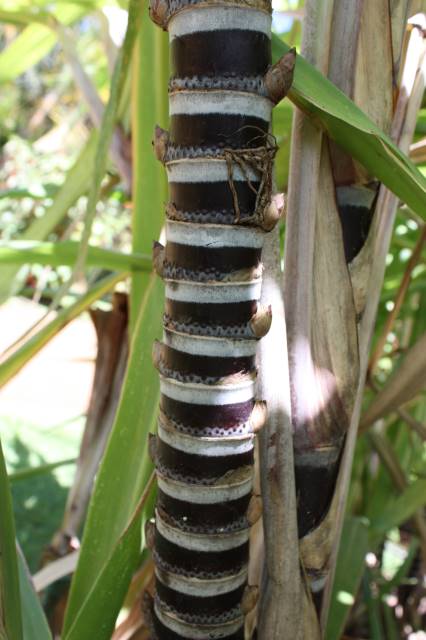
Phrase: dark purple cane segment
(211, 130)
(204, 449)
(212, 53)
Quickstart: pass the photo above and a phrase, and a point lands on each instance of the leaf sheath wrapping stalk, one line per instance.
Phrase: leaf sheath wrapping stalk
(218, 156)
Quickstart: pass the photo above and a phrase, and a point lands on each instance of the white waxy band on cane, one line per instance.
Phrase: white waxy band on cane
(207, 394)
(219, 18)
(207, 346)
(199, 542)
(205, 494)
(214, 236)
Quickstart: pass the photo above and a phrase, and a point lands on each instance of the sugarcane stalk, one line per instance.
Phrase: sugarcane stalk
(218, 156)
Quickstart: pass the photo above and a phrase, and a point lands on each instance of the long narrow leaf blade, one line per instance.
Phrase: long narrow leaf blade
(33, 618)
(149, 107)
(401, 508)
(65, 253)
(350, 567)
(10, 603)
(97, 616)
(21, 356)
(109, 116)
(125, 468)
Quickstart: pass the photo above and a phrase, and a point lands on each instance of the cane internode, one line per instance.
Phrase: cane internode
(218, 157)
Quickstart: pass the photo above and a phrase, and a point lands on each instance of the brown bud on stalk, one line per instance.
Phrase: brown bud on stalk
(158, 12)
(279, 77)
(260, 323)
(147, 604)
(157, 349)
(255, 509)
(152, 447)
(273, 212)
(160, 142)
(171, 210)
(258, 416)
(150, 533)
(250, 598)
(158, 257)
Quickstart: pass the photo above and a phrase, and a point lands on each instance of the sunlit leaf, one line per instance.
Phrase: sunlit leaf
(97, 616)
(65, 253)
(35, 625)
(125, 468)
(350, 567)
(400, 509)
(23, 354)
(10, 603)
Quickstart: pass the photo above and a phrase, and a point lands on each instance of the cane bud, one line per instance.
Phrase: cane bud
(250, 598)
(152, 447)
(150, 534)
(160, 143)
(258, 415)
(254, 511)
(261, 321)
(158, 257)
(279, 78)
(274, 212)
(157, 349)
(158, 12)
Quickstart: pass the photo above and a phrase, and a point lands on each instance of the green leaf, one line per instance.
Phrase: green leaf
(33, 618)
(400, 509)
(23, 17)
(109, 116)
(354, 131)
(373, 607)
(282, 118)
(65, 253)
(125, 468)
(21, 356)
(349, 569)
(402, 572)
(25, 51)
(76, 184)
(391, 627)
(31, 472)
(10, 603)
(36, 193)
(36, 41)
(97, 616)
(149, 107)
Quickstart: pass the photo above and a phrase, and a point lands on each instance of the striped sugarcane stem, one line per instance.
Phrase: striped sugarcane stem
(218, 155)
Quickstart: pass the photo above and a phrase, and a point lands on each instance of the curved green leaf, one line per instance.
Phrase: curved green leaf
(65, 253)
(97, 616)
(400, 509)
(149, 107)
(21, 356)
(33, 618)
(10, 603)
(125, 468)
(349, 569)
